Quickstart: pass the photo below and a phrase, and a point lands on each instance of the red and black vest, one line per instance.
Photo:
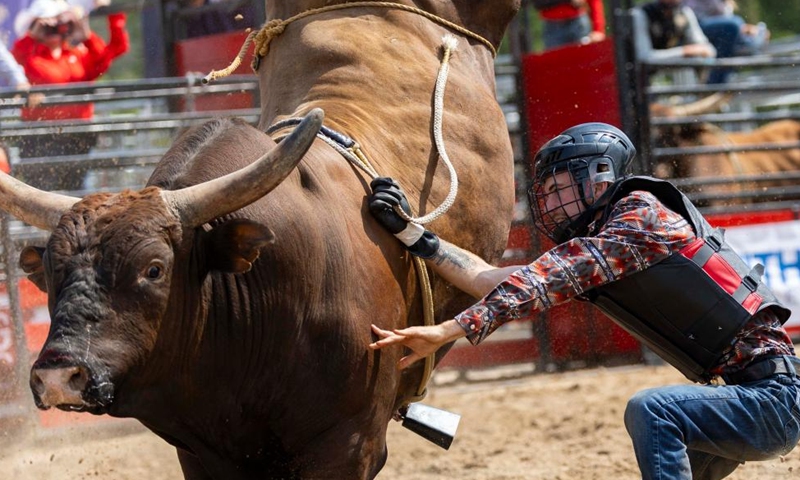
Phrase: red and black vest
(689, 307)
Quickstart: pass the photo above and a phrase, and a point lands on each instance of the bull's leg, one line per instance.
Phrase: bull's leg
(349, 452)
(191, 466)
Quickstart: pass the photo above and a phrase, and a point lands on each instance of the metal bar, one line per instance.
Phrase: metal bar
(762, 87)
(111, 95)
(128, 85)
(757, 178)
(709, 149)
(154, 122)
(778, 193)
(792, 205)
(22, 360)
(739, 117)
(750, 61)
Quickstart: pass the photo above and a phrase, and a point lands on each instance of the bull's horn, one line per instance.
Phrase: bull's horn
(201, 203)
(36, 207)
(698, 107)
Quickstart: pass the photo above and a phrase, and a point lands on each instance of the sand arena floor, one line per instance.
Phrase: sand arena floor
(563, 426)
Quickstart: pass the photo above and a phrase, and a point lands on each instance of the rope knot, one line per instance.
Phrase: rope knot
(270, 30)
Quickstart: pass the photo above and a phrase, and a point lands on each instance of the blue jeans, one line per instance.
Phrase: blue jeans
(565, 32)
(704, 432)
(725, 34)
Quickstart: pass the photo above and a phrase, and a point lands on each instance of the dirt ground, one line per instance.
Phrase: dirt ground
(563, 426)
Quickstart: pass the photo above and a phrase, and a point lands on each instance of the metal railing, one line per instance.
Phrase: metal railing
(763, 89)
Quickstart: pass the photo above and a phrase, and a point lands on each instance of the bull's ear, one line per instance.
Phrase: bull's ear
(30, 260)
(234, 246)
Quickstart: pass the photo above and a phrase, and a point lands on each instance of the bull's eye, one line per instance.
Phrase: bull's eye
(154, 272)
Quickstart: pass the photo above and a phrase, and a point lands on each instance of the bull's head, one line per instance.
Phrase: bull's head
(107, 267)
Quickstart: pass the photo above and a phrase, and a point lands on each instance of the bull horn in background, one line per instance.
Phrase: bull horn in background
(704, 105)
(36, 207)
(202, 203)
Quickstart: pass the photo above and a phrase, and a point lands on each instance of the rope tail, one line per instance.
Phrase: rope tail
(449, 44)
(215, 74)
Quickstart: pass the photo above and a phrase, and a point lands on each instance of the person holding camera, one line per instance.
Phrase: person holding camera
(56, 46)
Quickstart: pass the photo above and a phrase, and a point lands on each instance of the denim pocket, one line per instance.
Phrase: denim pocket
(792, 425)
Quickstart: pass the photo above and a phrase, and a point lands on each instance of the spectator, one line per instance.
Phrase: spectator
(569, 21)
(56, 46)
(664, 30)
(729, 33)
(11, 73)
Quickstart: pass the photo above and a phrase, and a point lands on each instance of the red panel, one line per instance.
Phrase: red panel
(752, 302)
(491, 353)
(215, 52)
(722, 273)
(689, 251)
(520, 237)
(568, 86)
(751, 218)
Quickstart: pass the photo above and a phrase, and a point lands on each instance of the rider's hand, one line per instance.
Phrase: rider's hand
(422, 341)
(386, 194)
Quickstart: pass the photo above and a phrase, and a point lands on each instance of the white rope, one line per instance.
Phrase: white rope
(352, 154)
(449, 43)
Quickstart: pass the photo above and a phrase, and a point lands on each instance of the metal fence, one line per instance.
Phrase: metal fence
(763, 89)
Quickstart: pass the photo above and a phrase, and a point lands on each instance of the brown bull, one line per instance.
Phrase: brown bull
(235, 325)
(727, 164)
(735, 164)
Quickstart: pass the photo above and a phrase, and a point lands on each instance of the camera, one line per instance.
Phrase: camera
(61, 28)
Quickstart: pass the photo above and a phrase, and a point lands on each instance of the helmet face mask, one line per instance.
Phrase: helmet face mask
(571, 174)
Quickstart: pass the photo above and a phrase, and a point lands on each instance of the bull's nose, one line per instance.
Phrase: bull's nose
(59, 386)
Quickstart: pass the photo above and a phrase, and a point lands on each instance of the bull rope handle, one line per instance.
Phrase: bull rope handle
(275, 27)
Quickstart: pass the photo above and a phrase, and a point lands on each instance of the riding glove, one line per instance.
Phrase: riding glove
(386, 194)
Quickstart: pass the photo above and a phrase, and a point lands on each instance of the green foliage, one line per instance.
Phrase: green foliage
(130, 65)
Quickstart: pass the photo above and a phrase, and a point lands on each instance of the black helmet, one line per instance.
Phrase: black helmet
(592, 153)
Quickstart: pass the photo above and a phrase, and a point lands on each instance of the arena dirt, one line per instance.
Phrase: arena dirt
(564, 426)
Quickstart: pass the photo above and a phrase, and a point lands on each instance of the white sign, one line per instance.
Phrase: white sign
(777, 247)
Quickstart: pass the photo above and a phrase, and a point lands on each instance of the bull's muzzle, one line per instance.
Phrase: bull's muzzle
(70, 388)
(57, 387)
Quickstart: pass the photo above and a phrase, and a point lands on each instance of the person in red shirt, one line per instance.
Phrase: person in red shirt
(568, 22)
(58, 47)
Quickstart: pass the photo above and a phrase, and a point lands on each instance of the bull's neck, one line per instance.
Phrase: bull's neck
(356, 66)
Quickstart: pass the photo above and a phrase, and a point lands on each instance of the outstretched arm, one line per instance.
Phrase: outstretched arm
(467, 271)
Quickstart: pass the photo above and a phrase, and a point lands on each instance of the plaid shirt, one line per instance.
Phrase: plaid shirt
(640, 232)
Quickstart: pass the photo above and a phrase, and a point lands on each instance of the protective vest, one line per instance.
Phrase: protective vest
(689, 307)
(668, 25)
(545, 4)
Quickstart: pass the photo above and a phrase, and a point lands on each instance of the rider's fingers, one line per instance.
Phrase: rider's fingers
(408, 360)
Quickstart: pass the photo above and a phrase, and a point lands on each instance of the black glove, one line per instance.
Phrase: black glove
(386, 194)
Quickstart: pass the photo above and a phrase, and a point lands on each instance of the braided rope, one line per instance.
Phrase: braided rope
(215, 74)
(449, 44)
(275, 27)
